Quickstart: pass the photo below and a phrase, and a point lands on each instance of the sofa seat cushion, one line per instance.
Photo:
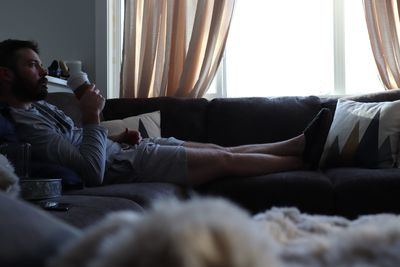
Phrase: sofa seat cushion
(309, 191)
(86, 210)
(29, 236)
(142, 193)
(365, 191)
(236, 121)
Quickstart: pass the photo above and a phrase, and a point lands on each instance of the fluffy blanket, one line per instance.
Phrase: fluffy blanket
(306, 240)
(215, 233)
(8, 179)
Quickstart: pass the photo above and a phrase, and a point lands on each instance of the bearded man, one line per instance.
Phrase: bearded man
(99, 160)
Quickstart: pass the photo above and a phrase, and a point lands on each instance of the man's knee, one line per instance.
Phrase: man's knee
(225, 159)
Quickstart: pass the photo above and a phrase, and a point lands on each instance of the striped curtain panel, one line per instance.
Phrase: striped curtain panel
(173, 47)
(382, 18)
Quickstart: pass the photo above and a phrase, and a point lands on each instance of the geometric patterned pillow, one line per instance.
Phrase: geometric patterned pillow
(363, 135)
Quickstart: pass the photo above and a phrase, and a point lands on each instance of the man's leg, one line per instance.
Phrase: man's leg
(292, 147)
(206, 164)
(168, 161)
(308, 145)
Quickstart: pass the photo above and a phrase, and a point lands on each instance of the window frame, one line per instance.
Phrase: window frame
(339, 32)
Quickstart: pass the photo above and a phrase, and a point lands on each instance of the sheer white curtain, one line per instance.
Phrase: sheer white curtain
(383, 27)
(173, 47)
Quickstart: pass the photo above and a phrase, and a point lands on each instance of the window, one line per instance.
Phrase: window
(290, 47)
(296, 47)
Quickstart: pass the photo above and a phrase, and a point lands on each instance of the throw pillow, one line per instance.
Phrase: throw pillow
(147, 124)
(363, 135)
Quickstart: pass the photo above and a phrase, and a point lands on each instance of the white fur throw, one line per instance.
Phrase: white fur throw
(8, 179)
(215, 233)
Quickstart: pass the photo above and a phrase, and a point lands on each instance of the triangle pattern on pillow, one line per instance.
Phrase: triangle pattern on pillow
(363, 153)
(385, 151)
(351, 145)
(367, 152)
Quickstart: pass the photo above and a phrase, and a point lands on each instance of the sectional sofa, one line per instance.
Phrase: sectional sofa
(348, 191)
(30, 235)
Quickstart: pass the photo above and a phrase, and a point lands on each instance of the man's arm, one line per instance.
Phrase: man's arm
(91, 104)
(94, 139)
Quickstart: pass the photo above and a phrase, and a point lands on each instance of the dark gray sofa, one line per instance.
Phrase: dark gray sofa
(341, 191)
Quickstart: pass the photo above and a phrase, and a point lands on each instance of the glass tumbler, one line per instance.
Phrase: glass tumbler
(19, 154)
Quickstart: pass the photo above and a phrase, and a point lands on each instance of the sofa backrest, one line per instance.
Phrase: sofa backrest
(180, 117)
(382, 96)
(223, 121)
(236, 121)
(68, 103)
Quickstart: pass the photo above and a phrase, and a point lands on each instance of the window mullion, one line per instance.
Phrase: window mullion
(115, 32)
(221, 78)
(339, 47)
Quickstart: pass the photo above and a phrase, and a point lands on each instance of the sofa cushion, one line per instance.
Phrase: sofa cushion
(311, 192)
(365, 191)
(87, 210)
(236, 121)
(142, 193)
(181, 118)
(29, 236)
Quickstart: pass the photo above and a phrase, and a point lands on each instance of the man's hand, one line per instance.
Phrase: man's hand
(91, 104)
(130, 137)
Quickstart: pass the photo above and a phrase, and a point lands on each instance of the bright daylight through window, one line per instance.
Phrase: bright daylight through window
(291, 47)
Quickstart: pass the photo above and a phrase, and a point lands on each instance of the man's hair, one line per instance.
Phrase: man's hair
(8, 49)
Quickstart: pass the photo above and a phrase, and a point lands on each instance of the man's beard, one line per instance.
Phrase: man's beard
(26, 92)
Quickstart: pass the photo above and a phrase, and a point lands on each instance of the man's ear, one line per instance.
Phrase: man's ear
(6, 74)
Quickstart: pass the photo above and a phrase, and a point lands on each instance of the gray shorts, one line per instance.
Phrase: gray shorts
(153, 160)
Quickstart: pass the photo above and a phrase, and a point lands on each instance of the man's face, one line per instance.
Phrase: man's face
(29, 83)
